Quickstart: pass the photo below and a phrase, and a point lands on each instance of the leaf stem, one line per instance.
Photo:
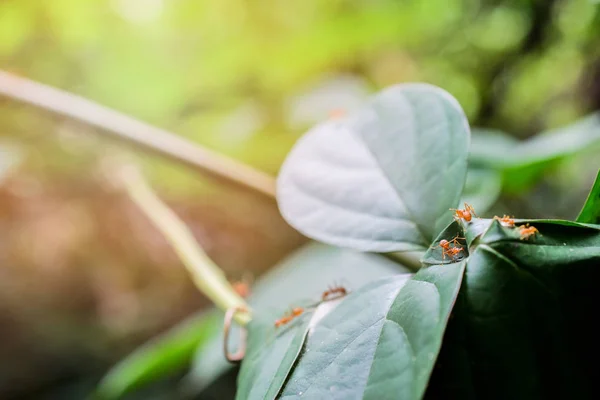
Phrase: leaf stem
(207, 276)
(137, 132)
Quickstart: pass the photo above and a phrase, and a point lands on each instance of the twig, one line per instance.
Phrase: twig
(207, 276)
(129, 129)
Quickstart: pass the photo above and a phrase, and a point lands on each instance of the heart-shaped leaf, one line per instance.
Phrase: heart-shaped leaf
(381, 340)
(383, 178)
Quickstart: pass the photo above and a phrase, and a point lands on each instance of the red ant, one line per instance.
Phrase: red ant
(297, 311)
(506, 221)
(527, 231)
(450, 251)
(465, 214)
(339, 290)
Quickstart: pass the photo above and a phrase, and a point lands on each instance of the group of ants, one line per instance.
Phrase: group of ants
(450, 248)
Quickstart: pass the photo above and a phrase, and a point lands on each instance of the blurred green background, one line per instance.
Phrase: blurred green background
(84, 278)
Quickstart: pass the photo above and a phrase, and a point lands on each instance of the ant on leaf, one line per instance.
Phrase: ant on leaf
(527, 231)
(295, 312)
(506, 221)
(338, 291)
(447, 249)
(466, 214)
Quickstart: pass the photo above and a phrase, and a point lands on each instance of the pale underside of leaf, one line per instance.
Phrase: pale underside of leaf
(383, 339)
(422, 130)
(382, 179)
(338, 176)
(271, 354)
(292, 280)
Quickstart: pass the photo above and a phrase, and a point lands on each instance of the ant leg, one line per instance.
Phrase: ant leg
(470, 208)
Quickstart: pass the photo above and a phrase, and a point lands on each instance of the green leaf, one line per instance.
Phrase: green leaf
(521, 326)
(159, 357)
(383, 178)
(497, 150)
(270, 356)
(381, 340)
(548, 146)
(523, 162)
(303, 275)
(590, 213)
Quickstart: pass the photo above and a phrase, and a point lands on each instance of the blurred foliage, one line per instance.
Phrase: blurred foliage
(164, 355)
(232, 74)
(245, 78)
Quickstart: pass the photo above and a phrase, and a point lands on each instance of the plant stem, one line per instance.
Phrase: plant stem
(139, 133)
(207, 276)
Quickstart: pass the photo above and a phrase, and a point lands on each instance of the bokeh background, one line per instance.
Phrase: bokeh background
(85, 278)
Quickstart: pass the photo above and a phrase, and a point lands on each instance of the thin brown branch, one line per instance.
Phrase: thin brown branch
(134, 131)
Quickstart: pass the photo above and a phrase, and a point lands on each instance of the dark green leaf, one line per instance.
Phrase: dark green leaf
(380, 341)
(383, 178)
(521, 326)
(303, 275)
(160, 357)
(590, 213)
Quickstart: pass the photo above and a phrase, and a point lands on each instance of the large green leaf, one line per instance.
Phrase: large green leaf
(590, 213)
(521, 326)
(381, 341)
(162, 356)
(303, 275)
(383, 178)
